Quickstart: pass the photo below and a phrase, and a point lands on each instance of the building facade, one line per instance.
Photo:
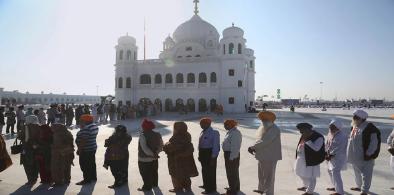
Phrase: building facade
(197, 68)
(16, 97)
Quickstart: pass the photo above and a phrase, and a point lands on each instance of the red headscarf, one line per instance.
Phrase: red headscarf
(147, 125)
(206, 120)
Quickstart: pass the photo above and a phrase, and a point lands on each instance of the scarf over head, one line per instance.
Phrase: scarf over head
(147, 125)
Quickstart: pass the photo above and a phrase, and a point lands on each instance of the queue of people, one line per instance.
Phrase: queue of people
(48, 153)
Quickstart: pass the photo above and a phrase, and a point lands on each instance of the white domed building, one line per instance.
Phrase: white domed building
(196, 68)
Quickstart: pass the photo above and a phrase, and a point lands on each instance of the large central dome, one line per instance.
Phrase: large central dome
(195, 29)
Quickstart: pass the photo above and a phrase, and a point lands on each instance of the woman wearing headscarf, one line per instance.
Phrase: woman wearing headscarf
(336, 147)
(268, 151)
(30, 136)
(181, 165)
(5, 160)
(310, 154)
(231, 147)
(62, 154)
(117, 155)
(43, 155)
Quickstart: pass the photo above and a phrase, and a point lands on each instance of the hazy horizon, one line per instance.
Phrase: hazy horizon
(347, 45)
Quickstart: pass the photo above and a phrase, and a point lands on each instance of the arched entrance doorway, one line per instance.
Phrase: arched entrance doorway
(179, 104)
(212, 105)
(159, 105)
(168, 105)
(202, 105)
(191, 106)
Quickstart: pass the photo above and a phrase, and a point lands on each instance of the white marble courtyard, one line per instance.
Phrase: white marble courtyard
(286, 182)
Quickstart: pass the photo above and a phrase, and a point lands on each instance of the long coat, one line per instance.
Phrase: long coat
(181, 162)
(5, 160)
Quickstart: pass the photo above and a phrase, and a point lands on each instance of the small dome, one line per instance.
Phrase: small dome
(233, 31)
(126, 40)
(195, 29)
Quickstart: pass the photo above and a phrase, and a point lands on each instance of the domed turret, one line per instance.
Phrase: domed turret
(168, 43)
(233, 31)
(126, 50)
(126, 40)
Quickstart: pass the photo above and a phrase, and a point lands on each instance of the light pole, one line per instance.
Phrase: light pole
(321, 91)
(97, 89)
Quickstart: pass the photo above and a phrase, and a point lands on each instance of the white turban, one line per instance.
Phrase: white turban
(360, 113)
(337, 123)
(31, 119)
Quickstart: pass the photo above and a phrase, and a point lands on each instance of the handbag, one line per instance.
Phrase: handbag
(391, 150)
(16, 148)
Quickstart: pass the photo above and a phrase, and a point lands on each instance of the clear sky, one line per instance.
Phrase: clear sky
(68, 45)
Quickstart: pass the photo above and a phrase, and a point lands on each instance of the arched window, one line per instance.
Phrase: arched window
(158, 79)
(202, 105)
(213, 77)
(145, 79)
(231, 48)
(128, 55)
(239, 48)
(128, 82)
(202, 78)
(191, 78)
(168, 78)
(224, 49)
(179, 78)
(121, 55)
(120, 82)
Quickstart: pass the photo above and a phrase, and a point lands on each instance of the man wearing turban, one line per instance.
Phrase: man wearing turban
(231, 147)
(268, 151)
(336, 155)
(149, 146)
(363, 149)
(310, 154)
(87, 147)
(209, 147)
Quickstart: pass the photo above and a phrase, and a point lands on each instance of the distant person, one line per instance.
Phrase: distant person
(62, 114)
(149, 146)
(69, 116)
(78, 114)
(363, 149)
(310, 154)
(30, 138)
(20, 118)
(94, 113)
(52, 112)
(231, 148)
(42, 116)
(5, 160)
(2, 120)
(62, 155)
(390, 142)
(11, 120)
(117, 155)
(29, 112)
(268, 151)
(336, 155)
(181, 164)
(87, 147)
(209, 148)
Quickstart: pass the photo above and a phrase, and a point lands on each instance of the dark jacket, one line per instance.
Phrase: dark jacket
(368, 131)
(314, 158)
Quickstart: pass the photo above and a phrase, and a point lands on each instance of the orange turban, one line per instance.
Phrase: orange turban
(206, 120)
(230, 123)
(267, 116)
(87, 118)
(392, 116)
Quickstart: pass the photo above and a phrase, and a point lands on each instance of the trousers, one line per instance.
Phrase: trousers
(266, 173)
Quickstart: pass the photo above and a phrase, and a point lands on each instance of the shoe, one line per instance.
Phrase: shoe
(335, 194)
(356, 189)
(202, 187)
(175, 191)
(258, 191)
(391, 188)
(306, 194)
(143, 190)
(112, 186)
(364, 193)
(302, 189)
(331, 189)
(83, 182)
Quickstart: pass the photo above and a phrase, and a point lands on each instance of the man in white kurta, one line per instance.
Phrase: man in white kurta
(360, 154)
(308, 173)
(390, 142)
(336, 155)
(268, 151)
